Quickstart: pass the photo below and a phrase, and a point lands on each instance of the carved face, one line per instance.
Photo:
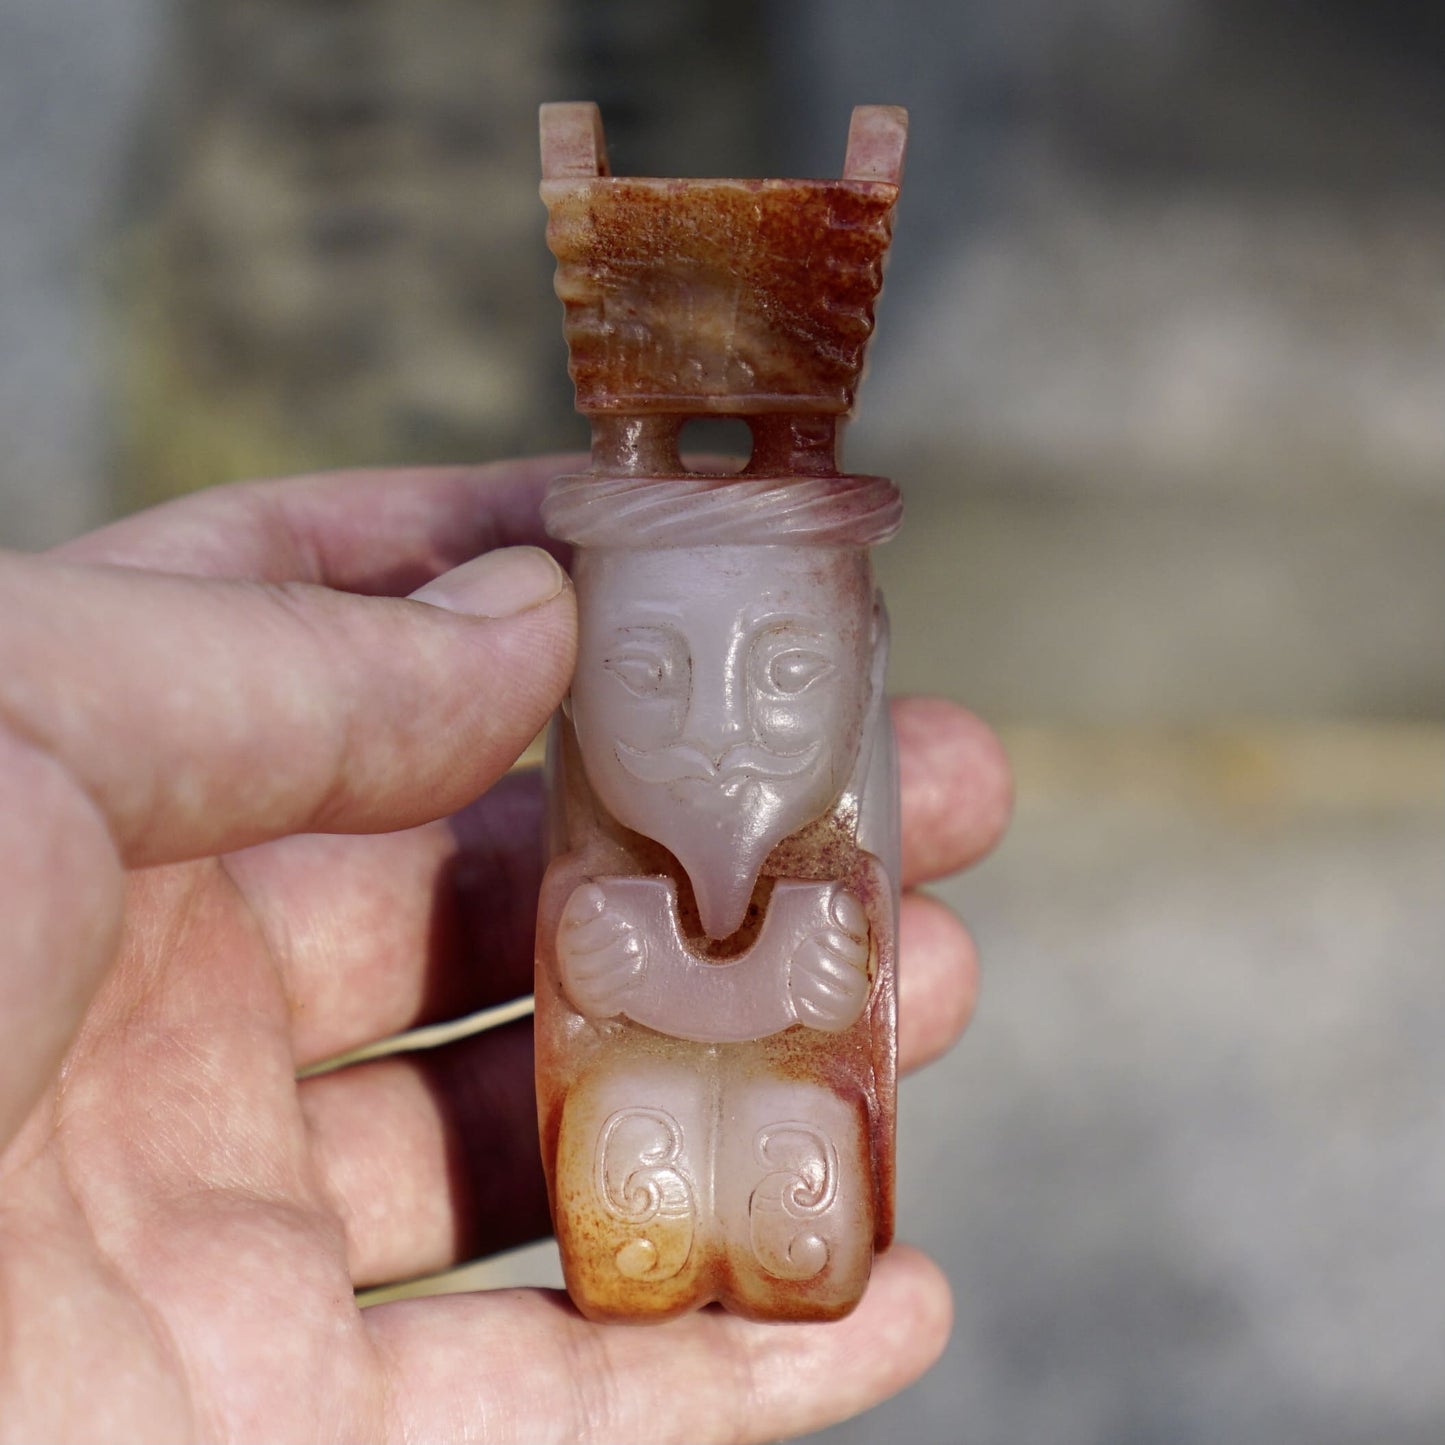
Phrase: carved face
(719, 699)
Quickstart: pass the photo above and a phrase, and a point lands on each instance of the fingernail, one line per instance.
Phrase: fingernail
(496, 584)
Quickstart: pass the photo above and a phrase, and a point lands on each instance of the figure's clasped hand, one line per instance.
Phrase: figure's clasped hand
(600, 952)
(828, 973)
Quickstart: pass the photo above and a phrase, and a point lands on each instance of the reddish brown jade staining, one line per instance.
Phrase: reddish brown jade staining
(715, 944)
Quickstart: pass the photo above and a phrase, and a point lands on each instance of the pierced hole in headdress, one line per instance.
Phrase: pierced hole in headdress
(715, 444)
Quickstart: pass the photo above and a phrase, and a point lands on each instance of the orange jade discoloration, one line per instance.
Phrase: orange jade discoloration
(716, 996)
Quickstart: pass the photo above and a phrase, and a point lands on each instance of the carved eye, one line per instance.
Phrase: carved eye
(644, 675)
(796, 670)
(649, 667)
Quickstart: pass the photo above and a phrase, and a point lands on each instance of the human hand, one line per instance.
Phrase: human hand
(226, 774)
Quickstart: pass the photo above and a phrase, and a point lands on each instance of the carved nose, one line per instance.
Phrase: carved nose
(717, 731)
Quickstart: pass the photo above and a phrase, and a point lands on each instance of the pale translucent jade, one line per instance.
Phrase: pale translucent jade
(715, 947)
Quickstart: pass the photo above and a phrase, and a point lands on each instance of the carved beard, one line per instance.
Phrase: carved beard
(721, 854)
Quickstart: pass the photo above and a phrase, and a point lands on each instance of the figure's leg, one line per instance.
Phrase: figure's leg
(795, 1198)
(632, 1181)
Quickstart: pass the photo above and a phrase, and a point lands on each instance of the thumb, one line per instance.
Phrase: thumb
(200, 716)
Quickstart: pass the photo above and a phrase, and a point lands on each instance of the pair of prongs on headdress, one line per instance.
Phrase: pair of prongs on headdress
(574, 147)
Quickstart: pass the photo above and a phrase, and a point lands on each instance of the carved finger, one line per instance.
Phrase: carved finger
(590, 998)
(840, 1006)
(850, 951)
(828, 1018)
(815, 1018)
(816, 989)
(601, 992)
(849, 915)
(825, 997)
(618, 955)
(586, 903)
(584, 987)
(840, 955)
(827, 969)
(593, 934)
(619, 959)
(595, 1004)
(598, 983)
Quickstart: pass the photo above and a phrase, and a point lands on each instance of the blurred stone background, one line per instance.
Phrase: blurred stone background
(1161, 369)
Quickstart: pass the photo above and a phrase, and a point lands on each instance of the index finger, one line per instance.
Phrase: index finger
(379, 531)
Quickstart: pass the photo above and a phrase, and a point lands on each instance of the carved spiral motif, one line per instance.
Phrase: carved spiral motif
(640, 1182)
(802, 1185)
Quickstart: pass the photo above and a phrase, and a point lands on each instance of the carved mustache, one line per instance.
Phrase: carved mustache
(683, 760)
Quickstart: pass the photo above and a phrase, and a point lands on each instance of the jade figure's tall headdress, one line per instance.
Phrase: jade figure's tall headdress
(743, 298)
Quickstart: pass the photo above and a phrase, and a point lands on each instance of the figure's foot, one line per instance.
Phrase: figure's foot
(681, 1181)
(795, 1199)
(631, 1212)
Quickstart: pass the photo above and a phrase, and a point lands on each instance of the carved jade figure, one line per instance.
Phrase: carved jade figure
(715, 958)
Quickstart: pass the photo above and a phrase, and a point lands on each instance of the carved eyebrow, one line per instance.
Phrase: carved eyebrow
(798, 624)
(628, 630)
(771, 612)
